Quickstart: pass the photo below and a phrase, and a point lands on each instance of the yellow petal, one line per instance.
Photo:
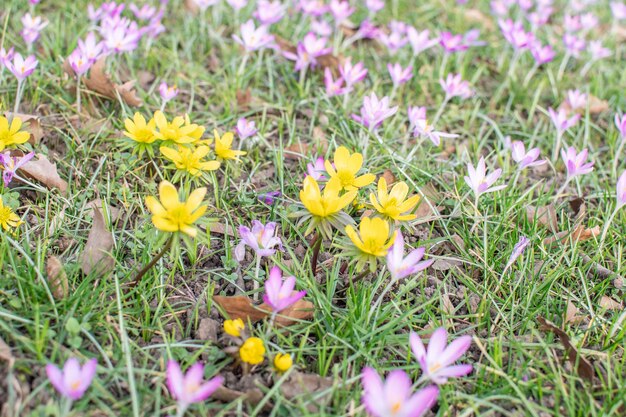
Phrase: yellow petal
(355, 163)
(168, 195)
(195, 198)
(399, 191)
(155, 207)
(16, 124)
(170, 154)
(342, 157)
(164, 224)
(364, 180)
(354, 237)
(191, 231)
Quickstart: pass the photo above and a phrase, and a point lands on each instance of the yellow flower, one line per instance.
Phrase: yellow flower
(282, 362)
(223, 146)
(198, 132)
(10, 134)
(392, 205)
(8, 219)
(326, 204)
(138, 130)
(345, 169)
(190, 160)
(234, 327)
(373, 237)
(173, 215)
(252, 351)
(177, 131)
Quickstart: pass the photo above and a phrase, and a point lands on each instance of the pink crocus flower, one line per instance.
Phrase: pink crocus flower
(621, 190)
(455, 86)
(33, 25)
(253, 38)
(261, 239)
(588, 21)
(91, 47)
(269, 197)
(279, 294)
(79, 63)
(122, 39)
(576, 162)
(518, 249)
(237, 4)
(398, 74)
(515, 34)
(205, 4)
(571, 23)
(246, 128)
(525, 159)
(341, 10)
(11, 164)
(6, 56)
(145, 12)
(189, 388)
(368, 30)
(321, 28)
(561, 121)
(394, 41)
(479, 181)
(21, 67)
(333, 87)
(416, 113)
(166, 92)
(423, 129)
(374, 111)
(598, 51)
(576, 99)
(420, 41)
(542, 54)
(352, 74)
(394, 397)
(401, 267)
(317, 170)
(620, 123)
(374, 6)
(308, 51)
(573, 44)
(269, 12)
(437, 361)
(73, 380)
(452, 43)
(313, 7)
(618, 10)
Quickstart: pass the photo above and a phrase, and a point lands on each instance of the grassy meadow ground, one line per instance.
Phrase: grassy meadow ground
(520, 368)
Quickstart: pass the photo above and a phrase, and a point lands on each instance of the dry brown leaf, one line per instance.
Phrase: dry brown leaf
(241, 307)
(57, 278)
(300, 149)
(445, 264)
(389, 177)
(100, 82)
(145, 79)
(96, 255)
(608, 303)
(31, 124)
(596, 106)
(221, 228)
(252, 396)
(545, 215)
(446, 304)
(298, 384)
(45, 172)
(585, 369)
(5, 353)
(580, 233)
(571, 314)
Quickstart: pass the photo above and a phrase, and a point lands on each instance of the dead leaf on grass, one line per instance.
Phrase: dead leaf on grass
(45, 172)
(5, 353)
(302, 384)
(545, 215)
(609, 303)
(100, 82)
(389, 177)
(596, 106)
(300, 150)
(571, 314)
(57, 278)
(242, 307)
(251, 396)
(96, 255)
(585, 369)
(221, 228)
(580, 233)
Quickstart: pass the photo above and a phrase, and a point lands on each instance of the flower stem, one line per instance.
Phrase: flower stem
(557, 145)
(180, 411)
(317, 244)
(18, 98)
(65, 408)
(530, 74)
(78, 93)
(440, 110)
(256, 277)
(153, 262)
(563, 66)
(563, 186)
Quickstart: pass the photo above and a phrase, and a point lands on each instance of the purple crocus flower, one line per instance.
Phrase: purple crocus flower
(561, 121)
(452, 43)
(269, 12)
(317, 170)
(576, 162)
(21, 67)
(73, 380)
(374, 111)
(437, 361)
(269, 197)
(420, 41)
(253, 38)
(6, 56)
(79, 63)
(525, 159)
(145, 12)
(576, 99)
(189, 388)
(341, 10)
(308, 51)
(321, 28)
(394, 397)
(333, 87)
(91, 48)
(261, 239)
(518, 249)
(455, 86)
(423, 129)
(246, 128)
(515, 34)
(542, 54)
(400, 267)
(621, 190)
(32, 28)
(620, 123)
(313, 7)
(374, 6)
(416, 113)
(237, 4)
(119, 39)
(394, 40)
(598, 51)
(166, 92)
(571, 23)
(398, 74)
(279, 294)
(618, 10)
(352, 74)
(573, 44)
(479, 181)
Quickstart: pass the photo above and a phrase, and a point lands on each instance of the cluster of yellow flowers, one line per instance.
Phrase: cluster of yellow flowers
(325, 209)
(180, 142)
(251, 350)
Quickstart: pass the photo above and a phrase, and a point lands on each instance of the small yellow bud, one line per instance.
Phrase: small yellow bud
(234, 327)
(252, 351)
(282, 362)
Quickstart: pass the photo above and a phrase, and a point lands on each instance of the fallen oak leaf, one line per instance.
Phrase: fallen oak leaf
(57, 278)
(96, 255)
(45, 172)
(579, 234)
(609, 303)
(299, 384)
(251, 396)
(242, 307)
(100, 82)
(571, 314)
(584, 369)
(545, 215)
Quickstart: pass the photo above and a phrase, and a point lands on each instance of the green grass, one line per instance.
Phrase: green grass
(519, 369)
